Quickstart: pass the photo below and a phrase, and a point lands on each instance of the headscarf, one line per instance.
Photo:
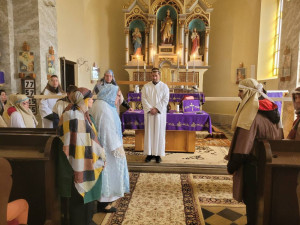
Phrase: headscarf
(16, 101)
(249, 105)
(293, 132)
(79, 101)
(294, 93)
(81, 145)
(53, 89)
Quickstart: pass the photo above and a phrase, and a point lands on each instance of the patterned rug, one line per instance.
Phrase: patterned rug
(157, 198)
(208, 151)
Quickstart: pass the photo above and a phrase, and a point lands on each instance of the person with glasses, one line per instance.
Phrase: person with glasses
(19, 113)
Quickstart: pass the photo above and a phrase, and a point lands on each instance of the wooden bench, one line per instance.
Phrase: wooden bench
(278, 179)
(5, 188)
(31, 155)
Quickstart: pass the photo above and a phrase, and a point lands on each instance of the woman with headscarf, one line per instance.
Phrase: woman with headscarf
(19, 113)
(295, 131)
(46, 105)
(3, 101)
(257, 117)
(115, 178)
(80, 159)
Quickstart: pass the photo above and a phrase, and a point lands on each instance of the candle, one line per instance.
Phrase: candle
(177, 108)
(138, 72)
(194, 68)
(178, 55)
(144, 71)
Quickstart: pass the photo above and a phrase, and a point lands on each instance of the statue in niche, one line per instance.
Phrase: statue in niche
(166, 29)
(137, 41)
(195, 42)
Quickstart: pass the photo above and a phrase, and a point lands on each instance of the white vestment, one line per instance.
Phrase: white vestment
(46, 106)
(155, 96)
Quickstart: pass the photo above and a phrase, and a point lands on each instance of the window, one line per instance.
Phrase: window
(277, 39)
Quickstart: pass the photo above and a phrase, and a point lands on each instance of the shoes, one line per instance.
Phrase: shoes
(148, 158)
(157, 159)
(111, 210)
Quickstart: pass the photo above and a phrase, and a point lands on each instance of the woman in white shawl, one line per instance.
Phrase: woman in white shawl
(20, 115)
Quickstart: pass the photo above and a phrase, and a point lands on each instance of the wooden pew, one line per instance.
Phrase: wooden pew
(31, 155)
(278, 178)
(5, 187)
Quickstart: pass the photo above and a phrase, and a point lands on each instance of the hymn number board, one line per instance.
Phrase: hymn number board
(29, 89)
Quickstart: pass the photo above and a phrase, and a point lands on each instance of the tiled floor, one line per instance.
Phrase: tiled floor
(215, 215)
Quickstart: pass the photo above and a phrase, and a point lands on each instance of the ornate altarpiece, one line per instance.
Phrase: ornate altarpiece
(172, 35)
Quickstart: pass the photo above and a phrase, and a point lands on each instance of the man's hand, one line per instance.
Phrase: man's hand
(131, 109)
(154, 111)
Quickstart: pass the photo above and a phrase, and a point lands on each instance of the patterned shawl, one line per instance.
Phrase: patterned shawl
(81, 144)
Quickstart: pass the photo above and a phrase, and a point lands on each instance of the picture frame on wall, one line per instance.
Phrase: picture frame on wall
(95, 73)
(26, 62)
(240, 74)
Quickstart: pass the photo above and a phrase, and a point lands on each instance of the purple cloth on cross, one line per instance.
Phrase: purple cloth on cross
(174, 97)
(175, 121)
(191, 105)
(276, 95)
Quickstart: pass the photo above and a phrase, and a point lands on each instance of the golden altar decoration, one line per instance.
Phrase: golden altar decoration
(172, 35)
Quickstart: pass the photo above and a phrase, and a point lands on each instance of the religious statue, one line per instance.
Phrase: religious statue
(166, 29)
(195, 42)
(137, 41)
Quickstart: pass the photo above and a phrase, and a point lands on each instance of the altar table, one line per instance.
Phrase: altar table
(180, 129)
(174, 97)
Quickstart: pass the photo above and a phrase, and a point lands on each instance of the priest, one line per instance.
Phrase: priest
(155, 98)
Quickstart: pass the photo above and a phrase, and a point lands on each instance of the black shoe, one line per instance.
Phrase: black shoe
(158, 159)
(148, 158)
(111, 210)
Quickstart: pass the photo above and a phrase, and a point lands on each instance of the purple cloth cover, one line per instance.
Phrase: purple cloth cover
(2, 81)
(276, 95)
(191, 105)
(174, 97)
(175, 121)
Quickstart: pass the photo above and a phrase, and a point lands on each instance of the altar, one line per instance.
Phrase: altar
(180, 129)
(172, 35)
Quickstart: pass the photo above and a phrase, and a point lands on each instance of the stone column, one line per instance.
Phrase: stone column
(146, 46)
(206, 47)
(181, 41)
(7, 56)
(126, 31)
(151, 42)
(181, 38)
(186, 45)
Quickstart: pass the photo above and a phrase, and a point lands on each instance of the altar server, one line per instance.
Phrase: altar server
(257, 117)
(155, 98)
(46, 105)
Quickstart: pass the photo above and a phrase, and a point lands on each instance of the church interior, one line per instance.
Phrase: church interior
(204, 50)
